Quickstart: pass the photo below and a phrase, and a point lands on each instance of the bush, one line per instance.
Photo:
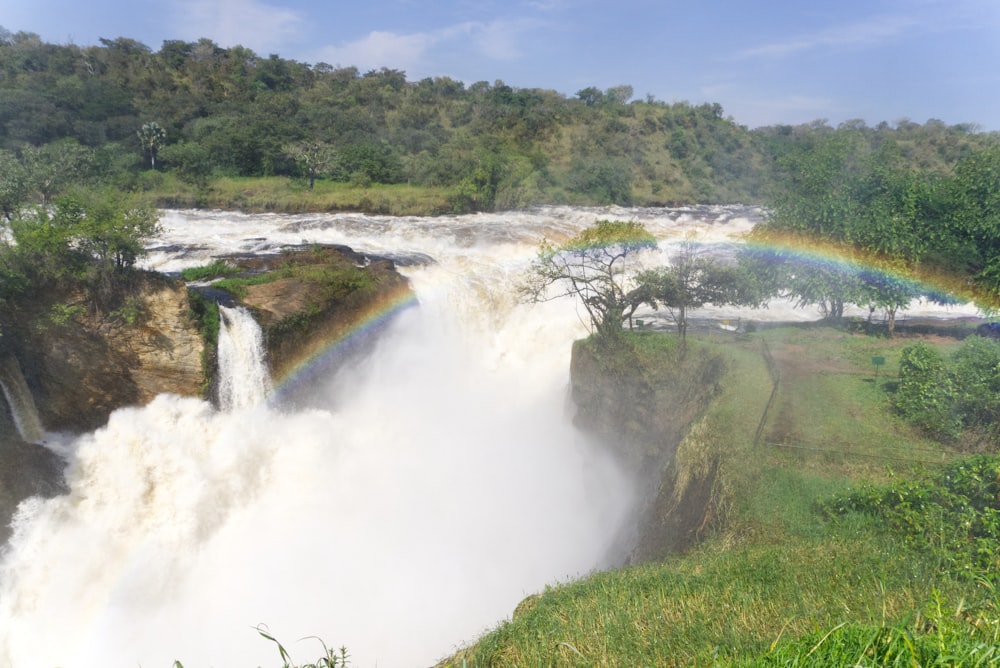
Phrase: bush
(954, 515)
(945, 398)
(926, 395)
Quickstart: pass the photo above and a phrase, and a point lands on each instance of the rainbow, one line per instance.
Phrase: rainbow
(812, 252)
(338, 340)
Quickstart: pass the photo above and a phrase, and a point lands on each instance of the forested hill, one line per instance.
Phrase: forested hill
(115, 111)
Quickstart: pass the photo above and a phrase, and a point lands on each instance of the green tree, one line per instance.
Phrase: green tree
(114, 229)
(190, 160)
(592, 267)
(13, 185)
(44, 251)
(152, 137)
(889, 292)
(691, 280)
(313, 158)
(50, 169)
(91, 238)
(974, 217)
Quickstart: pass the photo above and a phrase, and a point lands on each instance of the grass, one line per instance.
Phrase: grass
(217, 269)
(779, 583)
(336, 280)
(283, 195)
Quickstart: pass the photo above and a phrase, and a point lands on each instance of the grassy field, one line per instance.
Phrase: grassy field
(284, 195)
(777, 582)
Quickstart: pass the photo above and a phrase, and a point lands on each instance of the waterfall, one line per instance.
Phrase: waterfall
(428, 488)
(244, 381)
(22, 404)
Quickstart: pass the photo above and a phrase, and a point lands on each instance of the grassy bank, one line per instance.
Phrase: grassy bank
(280, 194)
(778, 581)
(284, 195)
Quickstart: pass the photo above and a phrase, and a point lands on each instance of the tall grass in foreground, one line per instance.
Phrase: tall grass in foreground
(329, 659)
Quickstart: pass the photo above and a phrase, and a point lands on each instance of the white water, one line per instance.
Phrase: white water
(19, 400)
(244, 381)
(438, 483)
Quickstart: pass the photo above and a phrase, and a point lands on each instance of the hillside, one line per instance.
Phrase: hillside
(179, 121)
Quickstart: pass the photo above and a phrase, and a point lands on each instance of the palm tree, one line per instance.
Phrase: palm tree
(152, 137)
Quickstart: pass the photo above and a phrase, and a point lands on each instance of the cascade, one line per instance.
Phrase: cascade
(20, 401)
(244, 381)
(428, 488)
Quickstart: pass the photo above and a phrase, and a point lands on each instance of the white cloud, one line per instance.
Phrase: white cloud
(379, 49)
(255, 25)
(498, 41)
(873, 31)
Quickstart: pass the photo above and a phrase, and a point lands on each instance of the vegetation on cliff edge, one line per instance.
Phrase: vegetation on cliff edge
(817, 553)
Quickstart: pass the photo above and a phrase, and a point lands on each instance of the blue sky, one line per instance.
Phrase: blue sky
(764, 61)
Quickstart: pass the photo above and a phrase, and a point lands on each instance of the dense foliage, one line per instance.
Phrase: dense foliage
(946, 397)
(954, 515)
(117, 110)
(91, 238)
(926, 208)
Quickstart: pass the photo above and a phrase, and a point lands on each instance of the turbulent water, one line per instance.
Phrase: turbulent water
(428, 487)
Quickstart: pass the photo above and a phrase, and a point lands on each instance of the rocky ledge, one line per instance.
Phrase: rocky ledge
(81, 362)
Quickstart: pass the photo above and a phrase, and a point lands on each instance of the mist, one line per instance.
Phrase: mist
(430, 485)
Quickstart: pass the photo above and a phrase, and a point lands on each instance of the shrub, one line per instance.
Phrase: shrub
(926, 395)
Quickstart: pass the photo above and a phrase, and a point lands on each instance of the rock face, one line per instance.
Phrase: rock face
(642, 409)
(324, 293)
(82, 368)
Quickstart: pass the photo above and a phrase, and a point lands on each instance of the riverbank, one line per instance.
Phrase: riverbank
(278, 194)
(283, 195)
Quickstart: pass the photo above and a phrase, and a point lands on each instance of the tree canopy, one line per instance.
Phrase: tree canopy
(230, 112)
(593, 267)
(691, 280)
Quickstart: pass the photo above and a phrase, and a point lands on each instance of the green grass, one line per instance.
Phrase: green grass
(284, 195)
(217, 269)
(779, 582)
(336, 280)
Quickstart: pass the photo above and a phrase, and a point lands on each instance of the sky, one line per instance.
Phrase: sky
(766, 62)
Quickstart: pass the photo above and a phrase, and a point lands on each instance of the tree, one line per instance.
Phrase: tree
(889, 292)
(190, 160)
(114, 229)
(152, 137)
(691, 280)
(592, 267)
(13, 185)
(94, 238)
(312, 157)
(49, 169)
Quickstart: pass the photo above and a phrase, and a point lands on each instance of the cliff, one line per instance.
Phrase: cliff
(318, 296)
(641, 401)
(80, 362)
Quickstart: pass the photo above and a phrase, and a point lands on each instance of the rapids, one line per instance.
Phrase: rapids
(427, 488)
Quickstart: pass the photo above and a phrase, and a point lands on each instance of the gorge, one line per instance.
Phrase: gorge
(401, 489)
